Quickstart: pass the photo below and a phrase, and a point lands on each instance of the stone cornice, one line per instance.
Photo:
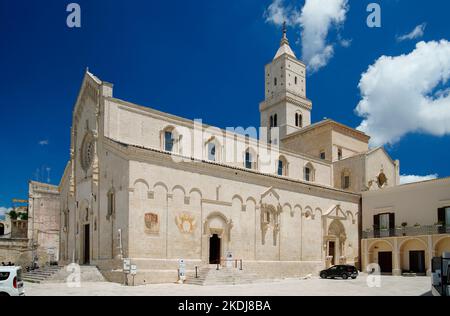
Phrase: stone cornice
(332, 125)
(135, 153)
(288, 97)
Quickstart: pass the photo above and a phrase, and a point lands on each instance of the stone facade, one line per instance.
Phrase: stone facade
(157, 188)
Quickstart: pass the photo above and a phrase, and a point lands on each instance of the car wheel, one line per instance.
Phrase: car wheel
(4, 294)
(323, 275)
(353, 278)
(345, 276)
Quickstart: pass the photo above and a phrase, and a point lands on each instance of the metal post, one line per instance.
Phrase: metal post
(196, 272)
(241, 265)
(217, 267)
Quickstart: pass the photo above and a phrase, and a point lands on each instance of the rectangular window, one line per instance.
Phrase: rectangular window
(307, 174)
(280, 168)
(346, 182)
(322, 155)
(211, 152)
(248, 160)
(384, 221)
(168, 141)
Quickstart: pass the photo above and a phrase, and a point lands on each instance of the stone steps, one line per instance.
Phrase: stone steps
(41, 275)
(224, 276)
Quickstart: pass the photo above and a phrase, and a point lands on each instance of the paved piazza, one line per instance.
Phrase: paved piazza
(390, 286)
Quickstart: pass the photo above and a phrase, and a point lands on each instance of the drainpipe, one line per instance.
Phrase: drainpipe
(360, 209)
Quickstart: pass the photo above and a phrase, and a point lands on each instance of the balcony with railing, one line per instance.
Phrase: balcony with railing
(407, 231)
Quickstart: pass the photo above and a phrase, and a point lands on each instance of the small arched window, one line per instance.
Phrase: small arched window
(282, 166)
(2, 229)
(271, 121)
(275, 81)
(168, 140)
(309, 173)
(212, 150)
(296, 80)
(250, 161)
(298, 120)
(275, 121)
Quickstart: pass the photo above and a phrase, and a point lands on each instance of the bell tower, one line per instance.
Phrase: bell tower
(285, 105)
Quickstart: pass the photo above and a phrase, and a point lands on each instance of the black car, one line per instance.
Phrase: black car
(340, 271)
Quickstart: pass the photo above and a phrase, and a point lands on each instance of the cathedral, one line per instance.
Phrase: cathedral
(156, 188)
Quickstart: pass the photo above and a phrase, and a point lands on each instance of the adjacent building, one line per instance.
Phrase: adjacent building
(404, 227)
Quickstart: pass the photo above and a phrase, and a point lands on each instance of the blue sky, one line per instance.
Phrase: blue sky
(204, 59)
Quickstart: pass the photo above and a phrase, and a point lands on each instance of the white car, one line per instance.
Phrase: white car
(11, 283)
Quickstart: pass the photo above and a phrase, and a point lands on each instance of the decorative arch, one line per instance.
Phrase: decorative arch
(161, 184)
(441, 245)
(221, 231)
(179, 187)
(411, 239)
(251, 199)
(196, 190)
(238, 197)
(376, 242)
(318, 212)
(141, 181)
(309, 214)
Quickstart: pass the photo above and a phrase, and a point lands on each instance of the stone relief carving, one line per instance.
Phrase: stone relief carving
(186, 223)
(270, 219)
(151, 223)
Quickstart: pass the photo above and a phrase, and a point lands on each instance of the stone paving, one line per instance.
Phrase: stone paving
(390, 286)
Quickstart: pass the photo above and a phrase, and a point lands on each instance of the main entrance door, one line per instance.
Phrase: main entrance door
(417, 261)
(332, 251)
(87, 245)
(214, 249)
(385, 261)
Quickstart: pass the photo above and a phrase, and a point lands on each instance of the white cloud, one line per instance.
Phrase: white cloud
(276, 13)
(418, 32)
(405, 179)
(407, 94)
(346, 42)
(43, 142)
(3, 211)
(315, 20)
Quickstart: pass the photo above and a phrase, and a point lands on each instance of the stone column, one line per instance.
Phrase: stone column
(396, 269)
(430, 253)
